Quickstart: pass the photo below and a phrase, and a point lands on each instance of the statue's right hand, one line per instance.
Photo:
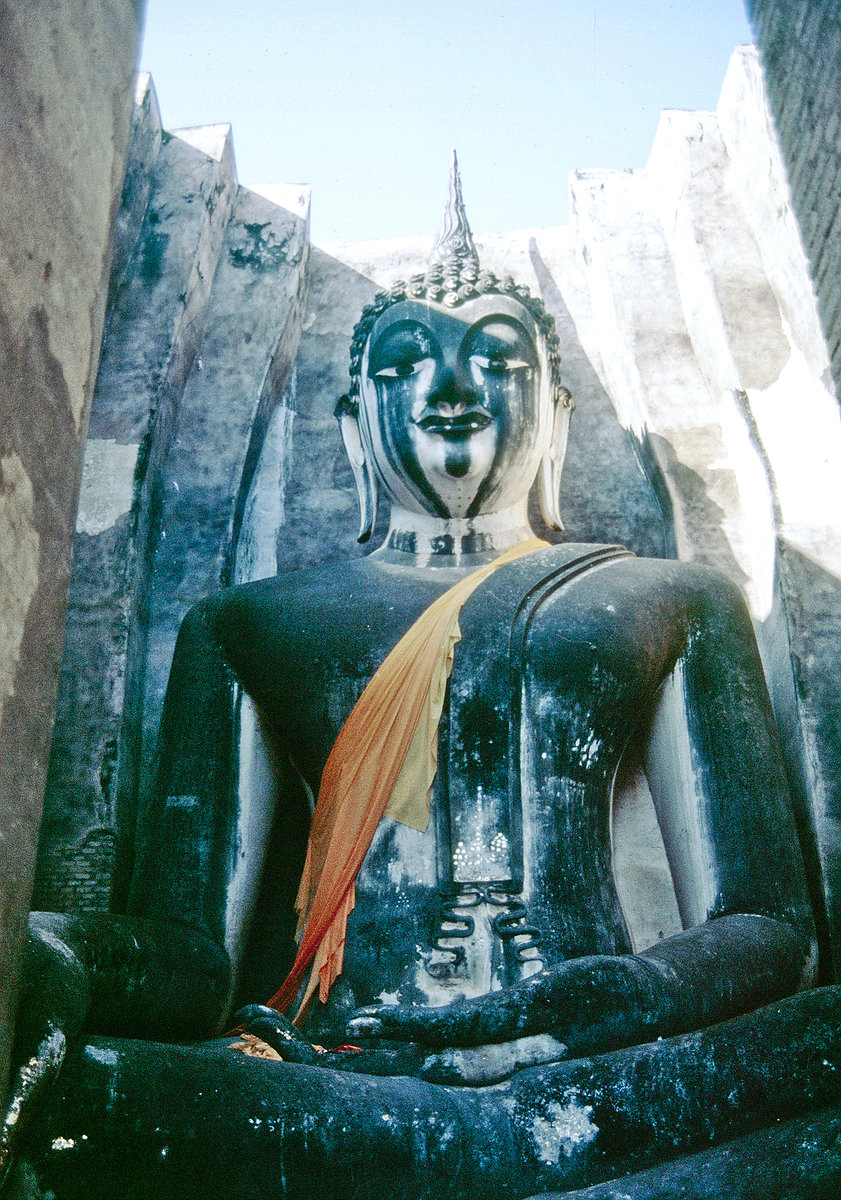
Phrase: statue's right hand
(53, 1002)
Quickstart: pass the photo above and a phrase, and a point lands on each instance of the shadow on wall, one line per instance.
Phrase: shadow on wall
(612, 489)
(699, 510)
(805, 632)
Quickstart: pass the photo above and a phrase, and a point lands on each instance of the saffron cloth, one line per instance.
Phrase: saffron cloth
(383, 763)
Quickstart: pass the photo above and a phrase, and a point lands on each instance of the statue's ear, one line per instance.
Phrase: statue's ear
(363, 474)
(552, 462)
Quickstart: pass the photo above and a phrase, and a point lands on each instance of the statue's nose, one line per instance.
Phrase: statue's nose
(452, 391)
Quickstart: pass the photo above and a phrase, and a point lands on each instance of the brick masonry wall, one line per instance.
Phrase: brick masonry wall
(800, 43)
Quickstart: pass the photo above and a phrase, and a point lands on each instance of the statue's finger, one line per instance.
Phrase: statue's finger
(399, 1021)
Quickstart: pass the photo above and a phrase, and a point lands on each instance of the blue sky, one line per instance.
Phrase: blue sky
(364, 101)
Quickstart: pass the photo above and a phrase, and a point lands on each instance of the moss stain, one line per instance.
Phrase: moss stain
(260, 249)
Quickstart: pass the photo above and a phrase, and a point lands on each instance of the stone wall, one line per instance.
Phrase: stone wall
(202, 327)
(689, 337)
(711, 341)
(800, 41)
(66, 69)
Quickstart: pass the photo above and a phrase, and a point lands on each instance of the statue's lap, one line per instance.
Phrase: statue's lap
(175, 1116)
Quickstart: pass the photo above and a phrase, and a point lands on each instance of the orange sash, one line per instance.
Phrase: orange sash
(383, 762)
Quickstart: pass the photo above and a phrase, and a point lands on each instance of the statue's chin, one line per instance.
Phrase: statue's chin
(456, 494)
(455, 466)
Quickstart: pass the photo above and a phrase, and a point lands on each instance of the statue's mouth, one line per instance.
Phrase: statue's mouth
(455, 425)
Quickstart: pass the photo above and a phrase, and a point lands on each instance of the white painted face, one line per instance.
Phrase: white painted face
(455, 408)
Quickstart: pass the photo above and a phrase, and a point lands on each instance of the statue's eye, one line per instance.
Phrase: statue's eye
(402, 370)
(497, 364)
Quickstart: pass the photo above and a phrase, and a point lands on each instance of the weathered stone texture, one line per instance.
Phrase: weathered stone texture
(800, 41)
(800, 44)
(66, 71)
(798, 1160)
(202, 328)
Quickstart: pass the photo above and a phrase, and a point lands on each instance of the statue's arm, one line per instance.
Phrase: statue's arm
(108, 973)
(727, 823)
(161, 969)
(185, 844)
(717, 779)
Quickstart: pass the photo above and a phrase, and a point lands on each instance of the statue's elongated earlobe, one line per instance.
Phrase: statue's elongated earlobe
(552, 462)
(363, 474)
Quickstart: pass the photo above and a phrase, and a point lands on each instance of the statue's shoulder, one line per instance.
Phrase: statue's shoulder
(312, 580)
(592, 585)
(271, 609)
(578, 558)
(586, 603)
(692, 579)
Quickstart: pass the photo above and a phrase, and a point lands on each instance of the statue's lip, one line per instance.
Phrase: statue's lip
(461, 424)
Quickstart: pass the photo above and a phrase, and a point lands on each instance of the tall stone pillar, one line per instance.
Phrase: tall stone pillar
(66, 82)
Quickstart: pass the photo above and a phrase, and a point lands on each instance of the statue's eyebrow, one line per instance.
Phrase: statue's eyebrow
(397, 338)
(484, 335)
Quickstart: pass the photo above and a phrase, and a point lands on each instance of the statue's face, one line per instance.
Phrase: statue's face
(453, 410)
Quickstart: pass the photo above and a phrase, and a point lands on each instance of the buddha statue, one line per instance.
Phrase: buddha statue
(470, 1018)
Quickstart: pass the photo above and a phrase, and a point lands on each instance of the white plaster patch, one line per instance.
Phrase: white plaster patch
(480, 1065)
(564, 1129)
(107, 484)
(211, 140)
(397, 873)
(18, 566)
(108, 1058)
(587, 751)
(291, 196)
(258, 796)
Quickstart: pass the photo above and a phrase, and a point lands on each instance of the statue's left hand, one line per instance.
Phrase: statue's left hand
(589, 1004)
(472, 1056)
(597, 1003)
(534, 1006)
(409, 1023)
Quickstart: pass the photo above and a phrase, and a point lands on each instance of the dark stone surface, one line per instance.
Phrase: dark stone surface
(146, 1121)
(214, 267)
(797, 1160)
(152, 335)
(813, 607)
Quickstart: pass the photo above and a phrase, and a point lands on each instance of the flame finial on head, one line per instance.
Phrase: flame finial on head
(453, 276)
(454, 241)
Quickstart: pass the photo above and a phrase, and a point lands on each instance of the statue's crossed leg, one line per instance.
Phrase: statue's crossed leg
(151, 1120)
